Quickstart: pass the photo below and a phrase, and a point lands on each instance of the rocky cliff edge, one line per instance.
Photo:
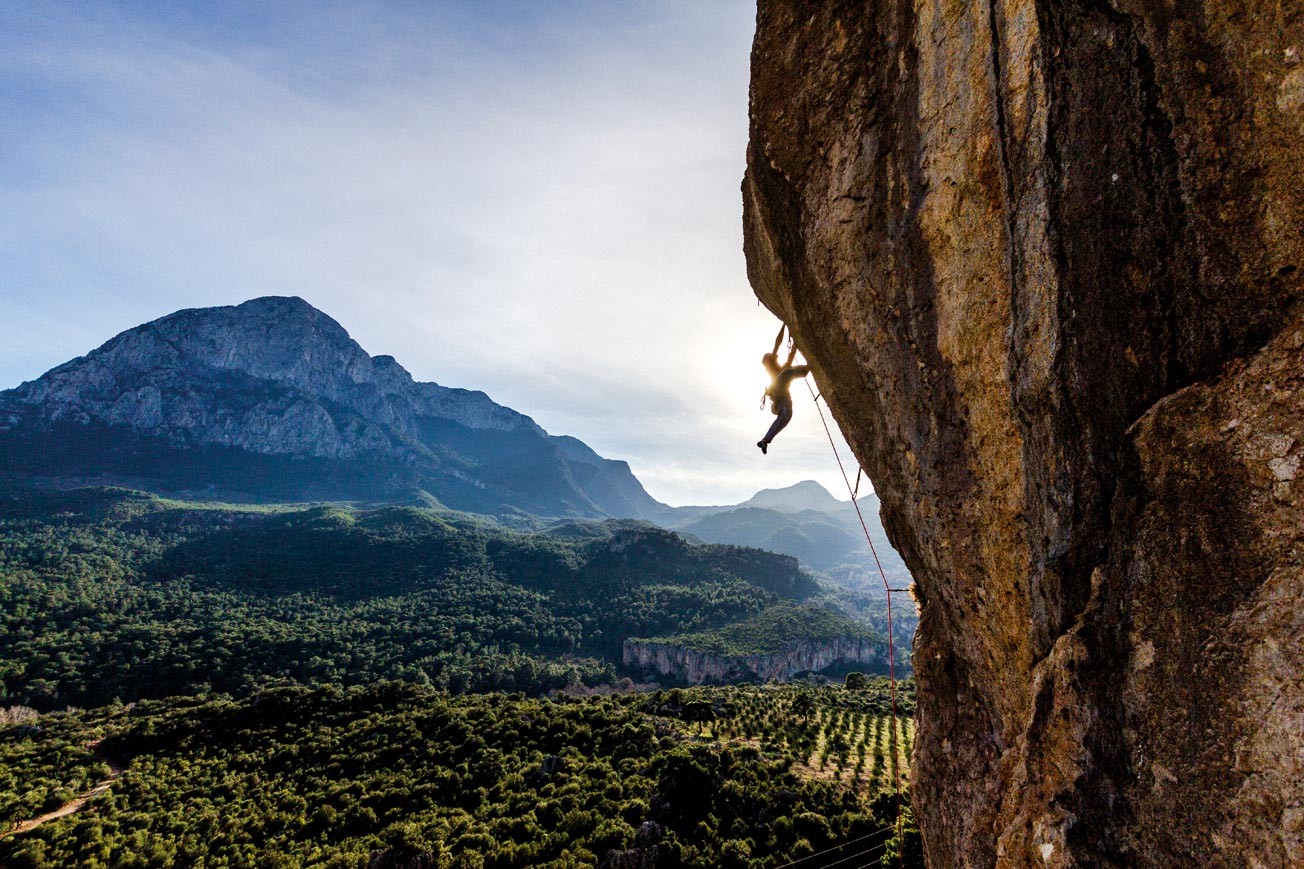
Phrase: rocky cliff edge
(1044, 260)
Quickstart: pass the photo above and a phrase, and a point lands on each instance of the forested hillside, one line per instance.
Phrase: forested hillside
(327, 686)
(108, 594)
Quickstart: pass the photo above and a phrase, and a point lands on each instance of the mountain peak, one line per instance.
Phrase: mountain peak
(274, 394)
(287, 302)
(262, 308)
(806, 495)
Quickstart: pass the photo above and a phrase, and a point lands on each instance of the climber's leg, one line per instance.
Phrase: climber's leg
(784, 417)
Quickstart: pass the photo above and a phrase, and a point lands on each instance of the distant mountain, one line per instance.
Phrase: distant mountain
(806, 495)
(805, 521)
(272, 400)
(817, 540)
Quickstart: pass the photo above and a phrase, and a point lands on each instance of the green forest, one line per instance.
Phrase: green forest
(401, 775)
(107, 595)
(397, 687)
(768, 631)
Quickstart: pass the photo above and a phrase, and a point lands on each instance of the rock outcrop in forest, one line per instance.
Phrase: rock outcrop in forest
(698, 667)
(1044, 258)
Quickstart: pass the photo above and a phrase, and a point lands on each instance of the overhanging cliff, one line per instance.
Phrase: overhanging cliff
(1044, 260)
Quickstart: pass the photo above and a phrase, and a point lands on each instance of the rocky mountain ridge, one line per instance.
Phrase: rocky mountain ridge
(272, 400)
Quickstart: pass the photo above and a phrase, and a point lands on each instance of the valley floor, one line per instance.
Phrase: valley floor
(397, 775)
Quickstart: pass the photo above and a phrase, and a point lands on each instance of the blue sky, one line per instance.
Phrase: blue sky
(540, 200)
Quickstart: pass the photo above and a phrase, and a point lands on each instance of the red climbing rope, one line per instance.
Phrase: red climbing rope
(891, 653)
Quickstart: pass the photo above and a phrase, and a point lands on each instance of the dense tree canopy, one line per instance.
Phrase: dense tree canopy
(108, 594)
(325, 686)
(395, 773)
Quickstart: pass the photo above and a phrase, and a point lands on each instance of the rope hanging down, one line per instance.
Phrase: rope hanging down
(888, 590)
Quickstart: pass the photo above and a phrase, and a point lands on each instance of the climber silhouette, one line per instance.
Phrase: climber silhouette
(781, 378)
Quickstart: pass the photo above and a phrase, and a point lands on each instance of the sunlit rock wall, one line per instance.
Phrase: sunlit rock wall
(1044, 259)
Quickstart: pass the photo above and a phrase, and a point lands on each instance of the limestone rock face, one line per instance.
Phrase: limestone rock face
(284, 343)
(272, 398)
(698, 668)
(1044, 260)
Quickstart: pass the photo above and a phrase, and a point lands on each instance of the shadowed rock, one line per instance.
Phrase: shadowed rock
(1044, 260)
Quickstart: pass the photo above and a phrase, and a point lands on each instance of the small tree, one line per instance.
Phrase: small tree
(699, 712)
(803, 704)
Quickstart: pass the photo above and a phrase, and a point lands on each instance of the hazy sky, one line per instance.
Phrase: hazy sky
(539, 200)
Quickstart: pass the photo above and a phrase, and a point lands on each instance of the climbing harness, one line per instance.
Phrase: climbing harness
(887, 588)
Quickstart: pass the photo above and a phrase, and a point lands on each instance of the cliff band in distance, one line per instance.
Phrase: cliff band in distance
(1044, 259)
(707, 668)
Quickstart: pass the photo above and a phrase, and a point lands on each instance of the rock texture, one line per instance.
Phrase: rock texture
(704, 668)
(273, 399)
(1044, 259)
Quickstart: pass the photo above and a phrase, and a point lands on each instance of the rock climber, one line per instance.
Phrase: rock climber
(781, 378)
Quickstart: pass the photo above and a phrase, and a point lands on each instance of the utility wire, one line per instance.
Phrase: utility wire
(864, 853)
(891, 652)
(838, 847)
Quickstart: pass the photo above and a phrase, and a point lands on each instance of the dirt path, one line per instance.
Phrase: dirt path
(74, 805)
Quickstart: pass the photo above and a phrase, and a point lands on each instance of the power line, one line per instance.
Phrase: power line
(887, 588)
(838, 847)
(865, 853)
